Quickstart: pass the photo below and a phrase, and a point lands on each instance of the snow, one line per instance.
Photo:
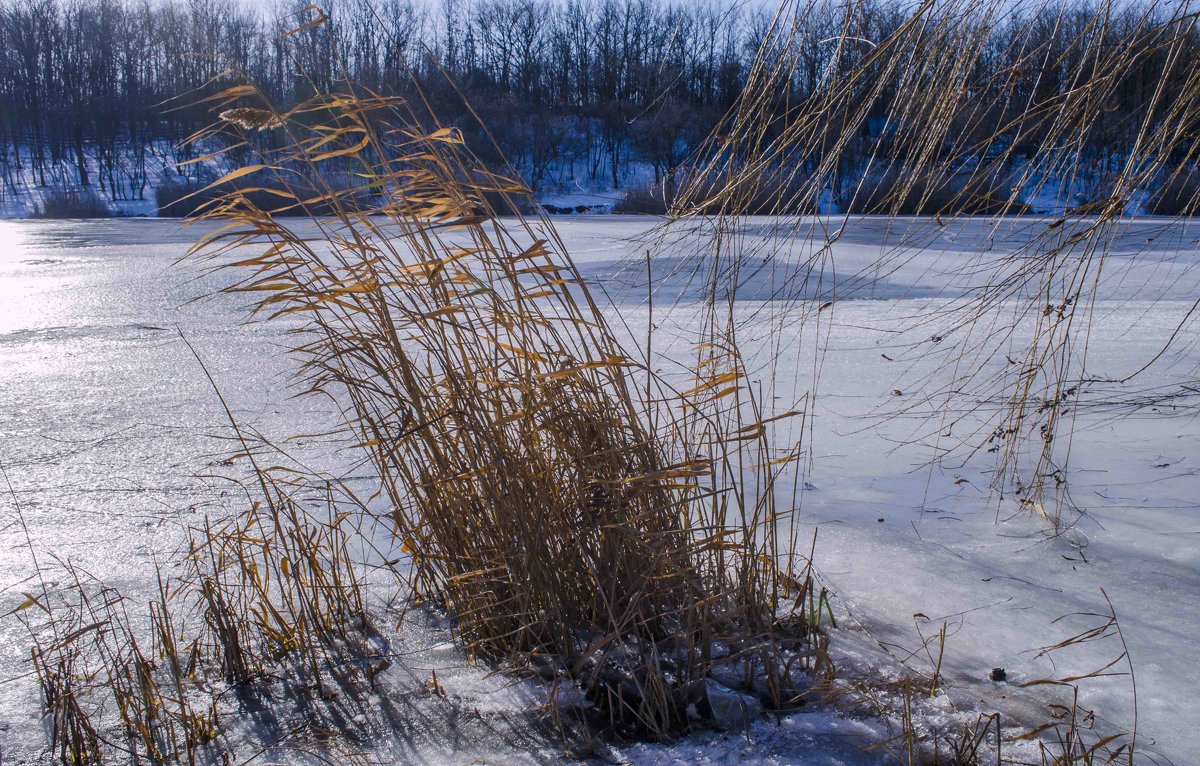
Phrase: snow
(564, 187)
(601, 200)
(110, 436)
(26, 193)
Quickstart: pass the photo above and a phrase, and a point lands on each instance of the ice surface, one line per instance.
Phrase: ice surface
(114, 443)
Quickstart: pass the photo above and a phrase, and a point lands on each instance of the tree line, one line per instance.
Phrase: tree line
(570, 91)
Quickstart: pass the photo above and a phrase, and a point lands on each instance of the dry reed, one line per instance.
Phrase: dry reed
(932, 79)
(558, 507)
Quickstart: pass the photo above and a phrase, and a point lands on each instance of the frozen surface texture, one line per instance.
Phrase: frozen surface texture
(114, 443)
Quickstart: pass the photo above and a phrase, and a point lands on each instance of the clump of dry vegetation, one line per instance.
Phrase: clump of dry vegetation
(784, 193)
(549, 499)
(72, 203)
(267, 604)
(903, 190)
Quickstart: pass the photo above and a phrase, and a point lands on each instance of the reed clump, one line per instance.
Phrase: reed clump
(266, 605)
(543, 485)
(112, 686)
(913, 191)
(784, 192)
(277, 584)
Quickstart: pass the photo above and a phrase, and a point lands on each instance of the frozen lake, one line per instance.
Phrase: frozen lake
(113, 443)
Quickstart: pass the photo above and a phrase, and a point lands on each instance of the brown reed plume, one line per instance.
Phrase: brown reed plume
(550, 493)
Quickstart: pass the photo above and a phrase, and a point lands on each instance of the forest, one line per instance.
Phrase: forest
(574, 94)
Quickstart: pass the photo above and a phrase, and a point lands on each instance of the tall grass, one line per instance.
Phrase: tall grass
(1033, 307)
(267, 599)
(552, 495)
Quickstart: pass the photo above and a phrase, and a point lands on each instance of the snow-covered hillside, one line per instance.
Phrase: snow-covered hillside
(562, 189)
